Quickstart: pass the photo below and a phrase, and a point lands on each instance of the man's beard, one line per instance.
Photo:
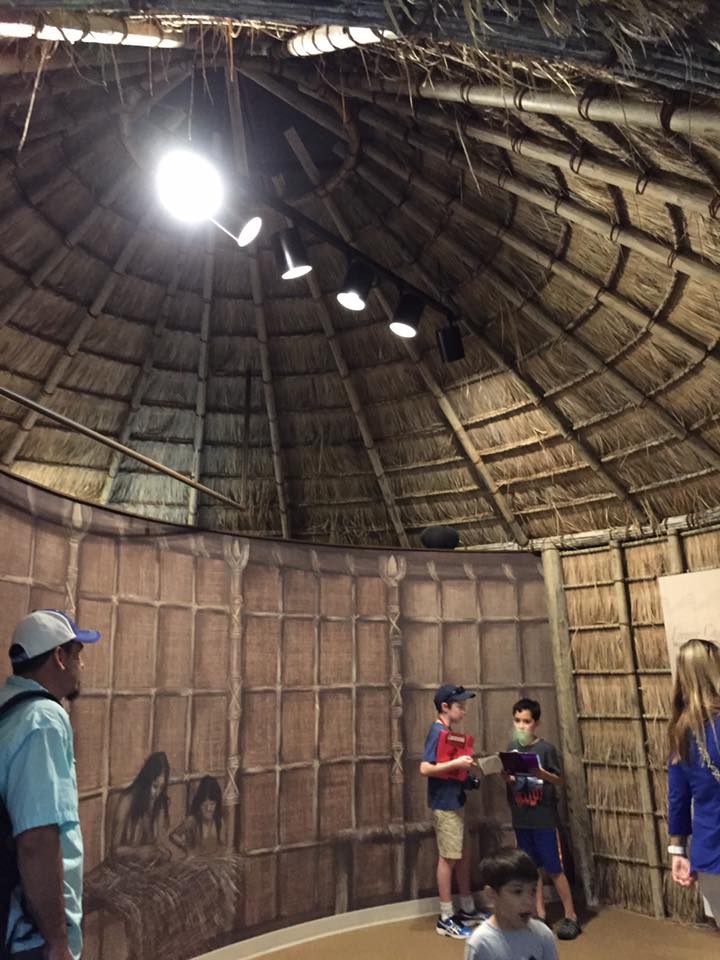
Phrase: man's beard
(74, 695)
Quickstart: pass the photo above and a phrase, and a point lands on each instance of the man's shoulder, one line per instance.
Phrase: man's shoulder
(36, 713)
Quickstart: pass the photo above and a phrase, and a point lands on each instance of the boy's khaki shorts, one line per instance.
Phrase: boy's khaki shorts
(450, 832)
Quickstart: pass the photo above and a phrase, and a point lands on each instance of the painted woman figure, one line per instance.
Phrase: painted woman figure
(201, 831)
(141, 821)
(694, 771)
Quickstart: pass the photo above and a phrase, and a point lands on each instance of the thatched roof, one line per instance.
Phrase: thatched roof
(555, 184)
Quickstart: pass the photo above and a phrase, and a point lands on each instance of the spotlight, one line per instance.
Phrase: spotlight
(406, 319)
(450, 343)
(358, 283)
(290, 256)
(249, 232)
(190, 187)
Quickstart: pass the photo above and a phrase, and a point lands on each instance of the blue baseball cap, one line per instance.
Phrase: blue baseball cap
(449, 693)
(44, 630)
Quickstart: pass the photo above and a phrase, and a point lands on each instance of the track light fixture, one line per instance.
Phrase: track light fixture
(406, 318)
(450, 342)
(290, 256)
(356, 288)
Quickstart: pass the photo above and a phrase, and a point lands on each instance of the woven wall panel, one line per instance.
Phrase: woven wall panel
(373, 793)
(177, 577)
(260, 889)
(134, 647)
(97, 660)
(258, 826)
(259, 729)
(91, 818)
(497, 598)
(419, 598)
(298, 652)
(326, 880)
(212, 649)
(550, 724)
(43, 598)
(336, 649)
(14, 604)
(208, 744)
(426, 866)
(260, 650)
(500, 653)
(262, 589)
(300, 592)
(298, 882)
(98, 566)
(422, 646)
(335, 798)
(373, 873)
(461, 653)
(170, 732)
(212, 582)
(371, 596)
(50, 556)
(16, 543)
(459, 599)
(373, 722)
(497, 717)
(89, 717)
(336, 724)
(175, 641)
(373, 652)
(139, 573)
(416, 808)
(531, 598)
(297, 815)
(129, 737)
(298, 727)
(535, 640)
(418, 714)
(336, 595)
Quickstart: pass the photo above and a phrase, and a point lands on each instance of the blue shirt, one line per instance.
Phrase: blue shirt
(442, 794)
(694, 803)
(39, 788)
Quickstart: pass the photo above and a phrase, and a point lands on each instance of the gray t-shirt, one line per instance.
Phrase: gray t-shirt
(534, 942)
(533, 802)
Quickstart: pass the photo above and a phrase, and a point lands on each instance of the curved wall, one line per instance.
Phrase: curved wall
(294, 680)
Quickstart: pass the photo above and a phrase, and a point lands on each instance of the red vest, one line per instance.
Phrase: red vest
(450, 746)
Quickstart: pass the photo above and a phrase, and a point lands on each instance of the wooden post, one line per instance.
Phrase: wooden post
(676, 554)
(639, 731)
(570, 743)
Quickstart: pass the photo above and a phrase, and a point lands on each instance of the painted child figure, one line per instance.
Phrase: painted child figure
(446, 798)
(510, 882)
(533, 803)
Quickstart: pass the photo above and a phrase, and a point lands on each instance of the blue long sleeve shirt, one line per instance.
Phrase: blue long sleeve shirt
(694, 803)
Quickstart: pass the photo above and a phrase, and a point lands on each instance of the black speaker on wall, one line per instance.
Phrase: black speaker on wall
(440, 538)
(450, 343)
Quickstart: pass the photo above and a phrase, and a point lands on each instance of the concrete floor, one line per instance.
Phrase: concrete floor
(611, 934)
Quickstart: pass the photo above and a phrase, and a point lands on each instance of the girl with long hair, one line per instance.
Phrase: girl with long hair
(141, 820)
(201, 831)
(694, 771)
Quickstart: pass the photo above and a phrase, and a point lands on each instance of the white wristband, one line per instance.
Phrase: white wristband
(677, 851)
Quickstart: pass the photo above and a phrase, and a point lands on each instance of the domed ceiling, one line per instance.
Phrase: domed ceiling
(561, 207)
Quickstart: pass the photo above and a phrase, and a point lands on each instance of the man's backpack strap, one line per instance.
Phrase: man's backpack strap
(9, 876)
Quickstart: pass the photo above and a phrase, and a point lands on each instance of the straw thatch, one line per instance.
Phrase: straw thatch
(561, 200)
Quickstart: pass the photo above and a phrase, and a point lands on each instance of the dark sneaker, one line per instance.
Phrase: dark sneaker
(452, 928)
(568, 929)
(471, 919)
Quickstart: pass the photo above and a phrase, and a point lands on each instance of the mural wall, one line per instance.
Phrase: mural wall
(251, 724)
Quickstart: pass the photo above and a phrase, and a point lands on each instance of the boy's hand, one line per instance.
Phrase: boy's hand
(537, 772)
(681, 873)
(463, 763)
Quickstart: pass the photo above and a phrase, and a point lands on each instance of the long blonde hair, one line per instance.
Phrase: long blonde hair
(696, 695)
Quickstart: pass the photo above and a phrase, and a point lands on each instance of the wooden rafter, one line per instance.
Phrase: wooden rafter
(344, 372)
(241, 158)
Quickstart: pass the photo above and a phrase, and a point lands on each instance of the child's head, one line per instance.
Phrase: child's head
(450, 701)
(509, 880)
(526, 717)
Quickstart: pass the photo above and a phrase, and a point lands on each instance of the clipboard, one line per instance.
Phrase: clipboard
(519, 763)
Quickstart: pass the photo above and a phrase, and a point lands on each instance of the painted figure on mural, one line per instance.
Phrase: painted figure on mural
(202, 830)
(142, 818)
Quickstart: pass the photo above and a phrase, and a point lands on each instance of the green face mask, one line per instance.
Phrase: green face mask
(523, 737)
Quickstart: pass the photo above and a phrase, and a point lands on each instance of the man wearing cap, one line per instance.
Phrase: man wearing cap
(446, 798)
(38, 788)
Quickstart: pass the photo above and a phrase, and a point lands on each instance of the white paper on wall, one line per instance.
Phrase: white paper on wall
(691, 608)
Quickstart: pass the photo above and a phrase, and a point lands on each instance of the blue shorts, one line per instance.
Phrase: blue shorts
(543, 848)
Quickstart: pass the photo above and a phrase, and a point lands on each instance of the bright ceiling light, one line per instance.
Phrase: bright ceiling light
(406, 318)
(189, 186)
(403, 330)
(356, 287)
(11, 28)
(249, 232)
(67, 34)
(290, 256)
